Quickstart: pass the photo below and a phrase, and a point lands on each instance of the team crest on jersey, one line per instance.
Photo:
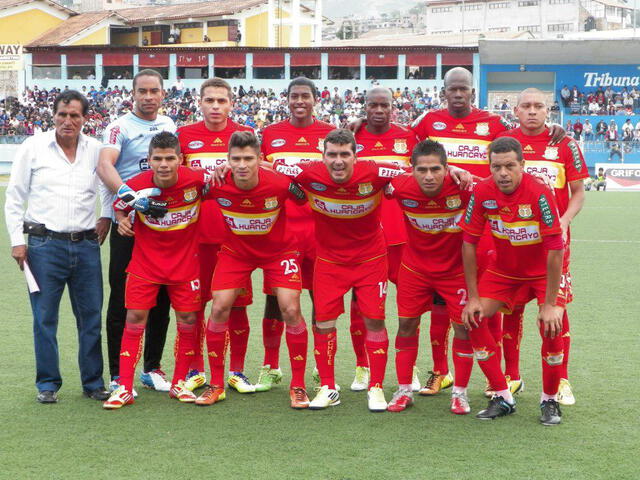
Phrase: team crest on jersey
(524, 211)
(439, 126)
(195, 145)
(321, 144)
(365, 188)
(318, 186)
(225, 202)
(490, 204)
(359, 147)
(400, 146)
(454, 202)
(190, 194)
(482, 129)
(551, 153)
(278, 142)
(410, 203)
(271, 203)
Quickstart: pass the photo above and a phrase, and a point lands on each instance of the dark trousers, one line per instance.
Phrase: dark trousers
(120, 249)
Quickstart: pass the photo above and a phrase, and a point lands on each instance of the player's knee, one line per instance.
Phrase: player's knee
(460, 332)
(408, 327)
(188, 318)
(290, 313)
(374, 325)
(220, 311)
(137, 316)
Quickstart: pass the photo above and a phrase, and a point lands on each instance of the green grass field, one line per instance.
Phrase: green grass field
(259, 436)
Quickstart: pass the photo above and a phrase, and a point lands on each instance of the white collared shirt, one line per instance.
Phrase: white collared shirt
(60, 194)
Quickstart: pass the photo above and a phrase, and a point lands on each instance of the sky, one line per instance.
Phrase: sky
(340, 8)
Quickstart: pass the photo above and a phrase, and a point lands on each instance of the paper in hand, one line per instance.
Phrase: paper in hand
(31, 280)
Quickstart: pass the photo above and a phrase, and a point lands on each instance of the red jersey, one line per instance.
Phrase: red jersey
(206, 149)
(255, 218)
(291, 145)
(518, 222)
(465, 139)
(165, 250)
(435, 238)
(393, 146)
(347, 215)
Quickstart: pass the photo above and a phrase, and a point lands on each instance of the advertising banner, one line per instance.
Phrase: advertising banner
(10, 57)
(621, 176)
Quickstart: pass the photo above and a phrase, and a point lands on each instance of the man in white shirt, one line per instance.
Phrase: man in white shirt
(54, 173)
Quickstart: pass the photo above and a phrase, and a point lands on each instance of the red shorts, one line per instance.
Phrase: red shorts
(141, 294)
(513, 292)
(332, 281)
(416, 291)
(306, 244)
(208, 254)
(394, 256)
(565, 293)
(235, 272)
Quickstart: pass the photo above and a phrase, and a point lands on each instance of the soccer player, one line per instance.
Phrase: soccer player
(433, 205)
(564, 164)
(164, 253)
(252, 201)
(205, 144)
(300, 138)
(524, 222)
(124, 155)
(381, 141)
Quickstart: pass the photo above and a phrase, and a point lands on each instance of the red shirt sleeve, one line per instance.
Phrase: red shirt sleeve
(548, 213)
(419, 127)
(474, 219)
(575, 165)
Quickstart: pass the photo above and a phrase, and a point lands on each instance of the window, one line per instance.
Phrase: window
(528, 3)
(420, 73)
(560, 27)
(230, 72)
(40, 72)
(471, 30)
(443, 32)
(440, 9)
(80, 72)
(268, 73)
(306, 71)
(472, 6)
(495, 6)
(381, 73)
(530, 28)
(559, 2)
(193, 72)
(344, 73)
(499, 29)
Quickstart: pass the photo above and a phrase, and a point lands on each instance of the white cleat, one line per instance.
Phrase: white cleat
(416, 386)
(565, 394)
(376, 400)
(326, 397)
(113, 386)
(155, 380)
(361, 380)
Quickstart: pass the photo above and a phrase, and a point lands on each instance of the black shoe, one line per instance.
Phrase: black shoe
(100, 394)
(498, 407)
(551, 414)
(47, 396)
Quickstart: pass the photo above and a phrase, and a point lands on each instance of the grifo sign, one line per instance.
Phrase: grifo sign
(621, 176)
(10, 56)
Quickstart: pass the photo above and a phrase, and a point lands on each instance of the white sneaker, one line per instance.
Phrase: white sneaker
(113, 386)
(326, 397)
(565, 394)
(155, 381)
(415, 382)
(376, 400)
(361, 380)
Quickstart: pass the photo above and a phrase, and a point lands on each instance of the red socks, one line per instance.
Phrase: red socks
(326, 345)
(495, 327)
(197, 361)
(566, 340)
(406, 355)
(185, 350)
(462, 353)
(297, 343)
(511, 337)
(439, 332)
(358, 331)
(485, 350)
(130, 350)
(238, 338)
(217, 341)
(552, 358)
(271, 336)
(377, 344)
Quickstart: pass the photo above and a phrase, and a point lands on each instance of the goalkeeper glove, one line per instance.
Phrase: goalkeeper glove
(141, 202)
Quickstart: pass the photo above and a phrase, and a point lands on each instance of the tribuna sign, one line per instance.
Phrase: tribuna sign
(595, 79)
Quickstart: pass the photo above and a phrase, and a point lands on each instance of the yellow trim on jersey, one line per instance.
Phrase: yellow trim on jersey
(168, 222)
(404, 159)
(368, 204)
(472, 141)
(559, 177)
(291, 158)
(245, 220)
(414, 220)
(530, 227)
(449, 142)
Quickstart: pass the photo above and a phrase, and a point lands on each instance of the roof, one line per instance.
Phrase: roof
(212, 8)
(69, 28)
(5, 4)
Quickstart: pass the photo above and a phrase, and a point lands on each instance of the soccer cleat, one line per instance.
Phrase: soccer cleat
(241, 383)
(435, 383)
(361, 380)
(460, 403)
(195, 380)
(497, 407)
(551, 414)
(415, 381)
(267, 377)
(565, 394)
(113, 385)
(400, 401)
(182, 393)
(155, 380)
(488, 391)
(118, 399)
(299, 398)
(516, 386)
(211, 395)
(326, 397)
(316, 377)
(376, 400)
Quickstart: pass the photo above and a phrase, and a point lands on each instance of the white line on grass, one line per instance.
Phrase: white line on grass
(604, 241)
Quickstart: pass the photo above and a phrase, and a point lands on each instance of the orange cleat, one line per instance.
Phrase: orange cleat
(211, 395)
(299, 398)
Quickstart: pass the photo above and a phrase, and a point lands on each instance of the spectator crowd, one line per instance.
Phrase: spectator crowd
(601, 101)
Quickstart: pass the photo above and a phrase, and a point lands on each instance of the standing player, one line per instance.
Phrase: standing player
(164, 253)
(564, 165)
(124, 155)
(252, 202)
(431, 263)
(300, 138)
(381, 141)
(523, 217)
(205, 144)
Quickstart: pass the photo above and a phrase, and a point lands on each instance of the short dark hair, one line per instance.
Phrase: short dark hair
(505, 145)
(303, 82)
(67, 96)
(243, 139)
(429, 147)
(148, 72)
(164, 140)
(340, 136)
(216, 82)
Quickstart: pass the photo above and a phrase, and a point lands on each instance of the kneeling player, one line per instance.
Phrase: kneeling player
(252, 202)
(164, 253)
(433, 205)
(524, 222)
